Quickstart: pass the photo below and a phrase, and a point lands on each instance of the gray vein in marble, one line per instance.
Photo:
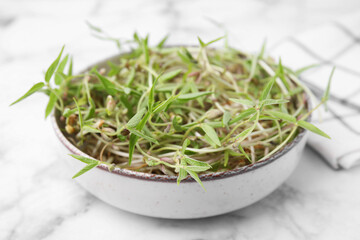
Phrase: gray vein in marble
(96, 8)
(55, 222)
(173, 15)
(58, 220)
(6, 21)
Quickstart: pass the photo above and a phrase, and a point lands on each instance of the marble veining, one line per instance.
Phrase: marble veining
(38, 199)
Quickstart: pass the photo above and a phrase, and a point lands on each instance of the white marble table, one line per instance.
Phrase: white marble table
(38, 199)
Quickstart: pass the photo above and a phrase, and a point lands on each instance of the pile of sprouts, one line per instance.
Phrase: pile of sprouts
(178, 111)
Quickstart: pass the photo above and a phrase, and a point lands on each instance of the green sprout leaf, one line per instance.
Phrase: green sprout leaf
(91, 112)
(182, 175)
(182, 172)
(108, 85)
(193, 162)
(134, 138)
(84, 159)
(186, 56)
(273, 101)
(142, 135)
(146, 49)
(32, 90)
(169, 75)
(267, 89)
(244, 114)
(91, 163)
(262, 51)
(226, 158)
(211, 133)
(135, 120)
(196, 177)
(243, 152)
(90, 129)
(202, 44)
(132, 143)
(303, 69)
(197, 168)
(176, 125)
(70, 71)
(283, 116)
(244, 134)
(67, 112)
(86, 169)
(184, 146)
(163, 105)
(162, 42)
(53, 67)
(312, 128)
(282, 75)
(226, 118)
(59, 76)
(81, 120)
(51, 104)
(210, 141)
(215, 40)
(130, 77)
(152, 95)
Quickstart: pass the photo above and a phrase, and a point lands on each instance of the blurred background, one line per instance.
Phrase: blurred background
(27, 25)
(38, 199)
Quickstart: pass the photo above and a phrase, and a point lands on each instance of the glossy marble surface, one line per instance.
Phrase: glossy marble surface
(38, 199)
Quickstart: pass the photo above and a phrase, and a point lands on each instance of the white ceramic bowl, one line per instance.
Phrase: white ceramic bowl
(160, 196)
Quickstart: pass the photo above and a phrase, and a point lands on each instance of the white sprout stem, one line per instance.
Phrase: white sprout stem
(219, 107)
(227, 75)
(200, 150)
(124, 154)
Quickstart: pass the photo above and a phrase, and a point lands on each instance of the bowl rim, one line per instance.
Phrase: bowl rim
(173, 179)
